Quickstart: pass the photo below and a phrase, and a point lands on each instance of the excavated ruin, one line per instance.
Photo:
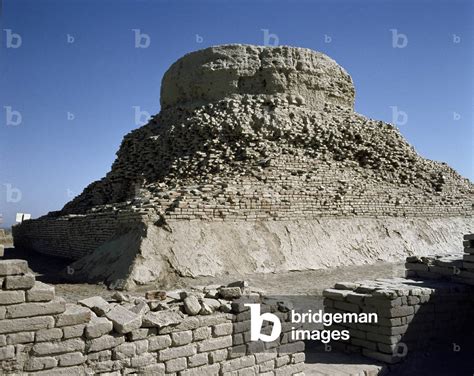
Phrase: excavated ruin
(256, 162)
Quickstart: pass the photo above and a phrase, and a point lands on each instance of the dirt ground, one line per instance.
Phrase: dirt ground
(296, 283)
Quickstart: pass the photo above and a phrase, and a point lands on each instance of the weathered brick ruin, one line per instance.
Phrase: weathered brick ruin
(256, 162)
(435, 302)
(185, 333)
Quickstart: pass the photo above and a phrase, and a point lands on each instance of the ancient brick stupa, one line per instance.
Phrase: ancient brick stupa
(256, 162)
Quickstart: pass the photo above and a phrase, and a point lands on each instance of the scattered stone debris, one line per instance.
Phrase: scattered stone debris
(176, 331)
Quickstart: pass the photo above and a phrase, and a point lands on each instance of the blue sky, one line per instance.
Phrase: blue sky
(98, 78)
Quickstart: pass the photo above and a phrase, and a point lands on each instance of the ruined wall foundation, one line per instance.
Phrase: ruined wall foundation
(176, 333)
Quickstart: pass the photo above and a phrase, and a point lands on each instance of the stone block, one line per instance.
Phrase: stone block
(345, 306)
(26, 324)
(282, 360)
(98, 326)
(396, 311)
(383, 338)
(38, 364)
(298, 357)
(336, 294)
(266, 368)
(69, 371)
(141, 346)
(40, 292)
(175, 365)
(209, 370)
(157, 369)
(36, 309)
(73, 315)
(159, 342)
(104, 343)
(290, 348)
(100, 356)
(7, 352)
(187, 323)
(230, 292)
(201, 333)
(71, 359)
(222, 329)
(237, 351)
(181, 338)
(96, 304)
(123, 320)
(162, 319)
(48, 334)
(238, 363)
(22, 337)
(266, 356)
(13, 267)
(73, 331)
(218, 356)
(198, 360)
(11, 297)
(177, 352)
(51, 348)
(143, 360)
(125, 350)
(289, 370)
(19, 282)
(215, 319)
(214, 344)
(141, 333)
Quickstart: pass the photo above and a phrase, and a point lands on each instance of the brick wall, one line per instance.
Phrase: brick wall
(73, 236)
(164, 334)
(434, 303)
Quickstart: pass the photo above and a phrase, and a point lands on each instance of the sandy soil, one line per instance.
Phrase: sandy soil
(291, 283)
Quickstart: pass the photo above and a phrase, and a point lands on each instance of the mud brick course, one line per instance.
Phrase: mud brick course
(457, 267)
(40, 334)
(411, 313)
(434, 302)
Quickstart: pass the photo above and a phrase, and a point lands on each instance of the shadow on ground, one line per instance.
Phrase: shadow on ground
(453, 356)
(45, 267)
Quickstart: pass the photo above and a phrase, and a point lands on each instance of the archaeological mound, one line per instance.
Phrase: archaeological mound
(256, 162)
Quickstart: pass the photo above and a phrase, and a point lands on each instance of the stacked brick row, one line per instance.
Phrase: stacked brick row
(308, 196)
(468, 258)
(42, 335)
(458, 267)
(411, 314)
(74, 236)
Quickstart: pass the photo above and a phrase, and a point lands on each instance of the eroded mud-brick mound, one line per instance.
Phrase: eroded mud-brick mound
(256, 162)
